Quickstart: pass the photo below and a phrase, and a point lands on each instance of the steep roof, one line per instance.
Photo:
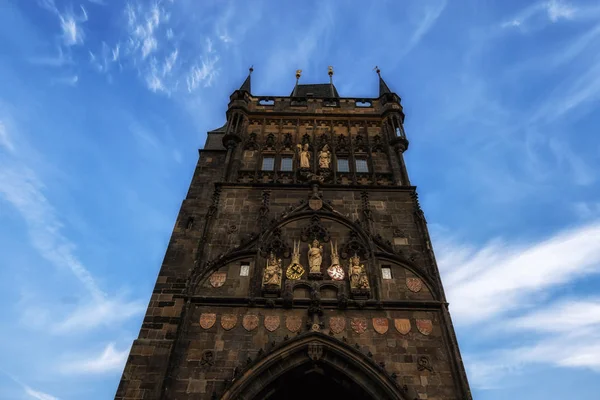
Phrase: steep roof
(326, 90)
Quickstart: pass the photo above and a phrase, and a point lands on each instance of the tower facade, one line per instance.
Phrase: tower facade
(300, 265)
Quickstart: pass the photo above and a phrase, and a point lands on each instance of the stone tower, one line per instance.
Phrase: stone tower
(300, 265)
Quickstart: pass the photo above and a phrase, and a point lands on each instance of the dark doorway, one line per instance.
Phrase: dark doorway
(314, 382)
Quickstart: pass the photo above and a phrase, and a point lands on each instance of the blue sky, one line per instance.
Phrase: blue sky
(103, 105)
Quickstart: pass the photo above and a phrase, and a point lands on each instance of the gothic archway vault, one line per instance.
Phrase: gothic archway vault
(317, 364)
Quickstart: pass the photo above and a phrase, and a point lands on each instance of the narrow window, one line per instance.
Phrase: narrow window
(342, 165)
(268, 163)
(245, 268)
(386, 272)
(286, 164)
(398, 133)
(361, 165)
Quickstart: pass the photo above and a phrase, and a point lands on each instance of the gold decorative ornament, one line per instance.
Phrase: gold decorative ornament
(295, 270)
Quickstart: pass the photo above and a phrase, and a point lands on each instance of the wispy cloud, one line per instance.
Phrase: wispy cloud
(431, 12)
(485, 282)
(36, 394)
(109, 360)
(202, 74)
(67, 80)
(5, 140)
(549, 11)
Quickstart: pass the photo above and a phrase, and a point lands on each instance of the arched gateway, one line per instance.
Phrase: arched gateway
(314, 366)
(300, 266)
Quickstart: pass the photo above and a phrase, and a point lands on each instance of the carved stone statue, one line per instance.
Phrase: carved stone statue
(273, 272)
(324, 157)
(304, 156)
(315, 256)
(357, 274)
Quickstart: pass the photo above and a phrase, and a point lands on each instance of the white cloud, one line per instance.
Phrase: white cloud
(202, 74)
(104, 312)
(551, 10)
(109, 360)
(431, 12)
(557, 9)
(563, 316)
(5, 140)
(68, 80)
(35, 394)
(500, 277)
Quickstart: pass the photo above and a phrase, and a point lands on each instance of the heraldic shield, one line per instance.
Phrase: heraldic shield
(228, 321)
(359, 325)
(425, 326)
(217, 279)
(380, 325)
(272, 322)
(402, 325)
(250, 322)
(293, 323)
(414, 284)
(207, 320)
(337, 324)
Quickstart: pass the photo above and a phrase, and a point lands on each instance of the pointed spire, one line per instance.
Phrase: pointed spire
(298, 75)
(246, 85)
(330, 73)
(383, 87)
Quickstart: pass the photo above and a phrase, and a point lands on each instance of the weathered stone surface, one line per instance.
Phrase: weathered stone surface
(235, 214)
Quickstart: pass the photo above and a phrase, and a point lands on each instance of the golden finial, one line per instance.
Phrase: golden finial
(298, 73)
(330, 70)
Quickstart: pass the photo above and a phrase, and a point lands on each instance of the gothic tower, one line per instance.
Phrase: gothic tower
(300, 265)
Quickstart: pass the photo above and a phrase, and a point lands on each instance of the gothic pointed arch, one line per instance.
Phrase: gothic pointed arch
(315, 352)
(427, 279)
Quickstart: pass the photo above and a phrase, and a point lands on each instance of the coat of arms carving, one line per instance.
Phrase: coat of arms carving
(250, 322)
(228, 321)
(359, 325)
(272, 322)
(337, 324)
(402, 325)
(217, 279)
(380, 325)
(425, 326)
(293, 323)
(207, 320)
(414, 284)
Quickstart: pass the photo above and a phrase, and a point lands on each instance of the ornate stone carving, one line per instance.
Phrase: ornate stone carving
(337, 324)
(272, 274)
(380, 325)
(414, 284)
(293, 323)
(315, 351)
(335, 271)
(208, 358)
(250, 322)
(272, 322)
(207, 320)
(315, 258)
(402, 325)
(423, 363)
(315, 230)
(304, 156)
(353, 246)
(217, 279)
(295, 270)
(359, 281)
(359, 325)
(228, 321)
(275, 244)
(325, 157)
(425, 326)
